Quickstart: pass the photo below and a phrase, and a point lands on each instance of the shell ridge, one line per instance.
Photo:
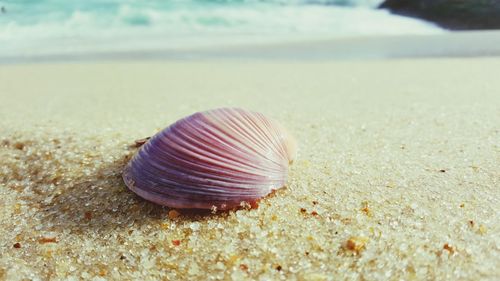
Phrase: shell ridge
(271, 138)
(180, 151)
(243, 149)
(280, 142)
(242, 128)
(266, 134)
(210, 133)
(218, 126)
(172, 168)
(214, 158)
(254, 136)
(165, 163)
(262, 154)
(177, 142)
(231, 168)
(187, 187)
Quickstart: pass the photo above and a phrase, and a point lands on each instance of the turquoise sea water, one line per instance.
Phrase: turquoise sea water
(64, 26)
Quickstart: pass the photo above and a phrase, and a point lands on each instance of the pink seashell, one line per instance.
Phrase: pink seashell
(217, 158)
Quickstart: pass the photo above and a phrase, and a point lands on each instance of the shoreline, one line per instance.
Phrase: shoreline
(452, 44)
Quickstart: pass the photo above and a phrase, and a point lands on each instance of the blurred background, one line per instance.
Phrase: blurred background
(38, 28)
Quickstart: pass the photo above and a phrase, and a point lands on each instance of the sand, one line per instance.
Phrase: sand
(397, 175)
(447, 44)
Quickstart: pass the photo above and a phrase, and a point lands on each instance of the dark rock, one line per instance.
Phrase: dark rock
(451, 14)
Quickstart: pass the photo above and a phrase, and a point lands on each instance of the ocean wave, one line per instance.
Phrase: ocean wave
(56, 26)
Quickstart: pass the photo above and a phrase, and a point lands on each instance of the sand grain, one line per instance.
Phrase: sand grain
(396, 178)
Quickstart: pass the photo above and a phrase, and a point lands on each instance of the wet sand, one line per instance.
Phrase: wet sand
(446, 44)
(396, 175)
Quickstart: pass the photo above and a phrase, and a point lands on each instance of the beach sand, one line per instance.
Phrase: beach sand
(397, 175)
(448, 44)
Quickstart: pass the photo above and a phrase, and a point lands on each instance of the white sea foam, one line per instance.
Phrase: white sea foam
(129, 27)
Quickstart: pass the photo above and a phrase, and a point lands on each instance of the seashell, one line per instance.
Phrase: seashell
(213, 159)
